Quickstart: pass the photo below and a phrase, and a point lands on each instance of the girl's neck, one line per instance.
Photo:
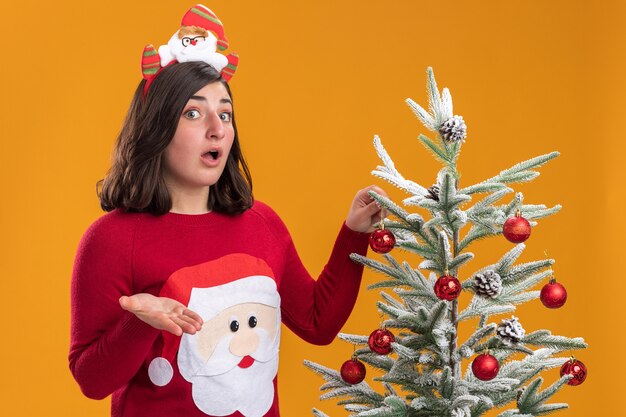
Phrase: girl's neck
(185, 201)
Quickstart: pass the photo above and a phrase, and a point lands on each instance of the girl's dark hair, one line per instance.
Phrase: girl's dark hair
(135, 181)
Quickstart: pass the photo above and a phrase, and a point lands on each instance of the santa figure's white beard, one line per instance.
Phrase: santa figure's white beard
(205, 51)
(220, 387)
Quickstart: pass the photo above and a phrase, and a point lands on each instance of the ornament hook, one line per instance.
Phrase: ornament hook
(552, 277)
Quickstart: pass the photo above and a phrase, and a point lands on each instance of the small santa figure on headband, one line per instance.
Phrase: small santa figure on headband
(199, 38)
(233, 360)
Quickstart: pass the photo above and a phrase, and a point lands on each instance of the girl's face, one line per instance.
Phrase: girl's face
(197, 154)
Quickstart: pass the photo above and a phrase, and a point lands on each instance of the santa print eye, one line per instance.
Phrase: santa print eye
(252, 321)
(234, 326)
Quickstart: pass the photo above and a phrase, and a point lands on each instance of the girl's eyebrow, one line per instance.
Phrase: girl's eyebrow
(201, 98)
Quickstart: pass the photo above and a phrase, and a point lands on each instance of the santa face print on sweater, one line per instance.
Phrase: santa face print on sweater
(233, 360)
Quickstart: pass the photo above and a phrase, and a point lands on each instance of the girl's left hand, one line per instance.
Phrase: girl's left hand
(162, 313)
(365, 213)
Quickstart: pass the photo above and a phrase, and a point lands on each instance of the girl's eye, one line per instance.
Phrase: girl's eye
(226, 117)
(192, 114)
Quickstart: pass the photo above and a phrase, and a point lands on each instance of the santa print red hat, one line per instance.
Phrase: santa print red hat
(228, 281)
(200, 16)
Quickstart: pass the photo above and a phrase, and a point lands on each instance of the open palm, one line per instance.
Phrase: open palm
(162, 313)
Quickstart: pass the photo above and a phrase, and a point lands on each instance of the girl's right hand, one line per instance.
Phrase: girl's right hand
(162, 313)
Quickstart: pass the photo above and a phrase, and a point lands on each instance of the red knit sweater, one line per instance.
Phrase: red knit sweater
(128, 253)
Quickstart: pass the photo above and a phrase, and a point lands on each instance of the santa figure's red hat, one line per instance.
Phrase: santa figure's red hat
(203, 17)
(208, 289)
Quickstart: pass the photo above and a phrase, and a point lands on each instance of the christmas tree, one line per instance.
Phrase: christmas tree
(420, 363)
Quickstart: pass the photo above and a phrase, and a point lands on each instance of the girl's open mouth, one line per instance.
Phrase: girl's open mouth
(211, 158)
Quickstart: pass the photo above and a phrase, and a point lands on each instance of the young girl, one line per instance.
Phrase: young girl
(178, 291)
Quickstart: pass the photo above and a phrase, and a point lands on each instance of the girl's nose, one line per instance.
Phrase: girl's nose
(215, 128)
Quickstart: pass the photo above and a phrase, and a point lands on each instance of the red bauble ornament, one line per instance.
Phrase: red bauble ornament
(447, 288)
(485, 367)
(516, 229)
(382, 241)
(575, 368)
(553, 295)
(353, 371)
(380, 341)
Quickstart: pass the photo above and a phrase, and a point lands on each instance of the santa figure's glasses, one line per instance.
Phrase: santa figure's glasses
(192, 41)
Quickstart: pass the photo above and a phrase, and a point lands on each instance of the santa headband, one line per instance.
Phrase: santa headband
(208, 289)
(200, 35)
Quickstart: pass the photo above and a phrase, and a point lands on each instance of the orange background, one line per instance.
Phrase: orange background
(316, 81)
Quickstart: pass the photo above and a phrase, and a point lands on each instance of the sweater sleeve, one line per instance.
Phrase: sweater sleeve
(108, 344)
(316, 310)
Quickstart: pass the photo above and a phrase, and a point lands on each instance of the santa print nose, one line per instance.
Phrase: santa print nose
(193, 41)
(244, 343)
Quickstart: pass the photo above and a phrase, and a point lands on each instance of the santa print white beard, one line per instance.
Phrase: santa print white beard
(217, 391)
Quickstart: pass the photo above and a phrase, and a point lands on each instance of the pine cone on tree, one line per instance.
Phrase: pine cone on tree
(433, 192)
(511, 331)
(488, 284)
(453, 129)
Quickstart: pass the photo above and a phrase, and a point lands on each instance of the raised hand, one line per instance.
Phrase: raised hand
(162, 313)
(364, 212)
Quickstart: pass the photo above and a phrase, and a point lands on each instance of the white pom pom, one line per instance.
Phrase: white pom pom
(160, 372)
